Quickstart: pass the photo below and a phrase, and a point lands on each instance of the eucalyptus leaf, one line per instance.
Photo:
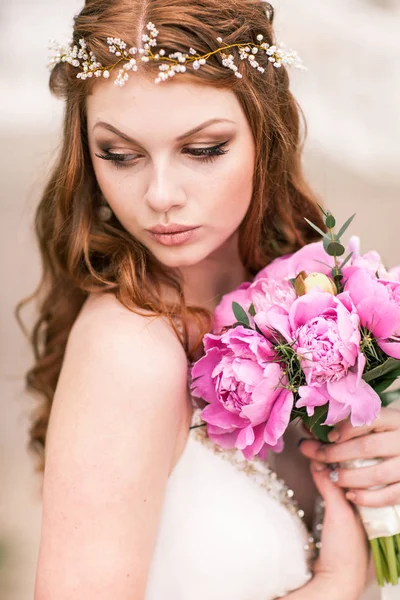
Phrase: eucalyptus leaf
(391, 364)
(322, 263)
(330, 221)
(335, 249)
(345, 226)
(321, 208)
(346, 260)
(325, 235)
(252, 310)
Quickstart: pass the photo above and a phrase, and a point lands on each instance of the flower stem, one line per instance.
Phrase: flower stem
(391, 559)
(378, 562)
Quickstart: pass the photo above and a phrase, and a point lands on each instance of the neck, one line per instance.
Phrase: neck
(218, 274)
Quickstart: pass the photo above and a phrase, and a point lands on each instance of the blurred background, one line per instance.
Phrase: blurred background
(350, 96)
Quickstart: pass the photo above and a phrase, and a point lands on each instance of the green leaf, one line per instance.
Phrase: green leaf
(238, 324)
(325, 235)
(391, 364)
(389, 397)
(346, 260)
(345, 226)
(330, 221)
(322, 210)
(335, 249)
(252, 310)
(322, 263)
(314, 423)
(380, 385)
(240, 314)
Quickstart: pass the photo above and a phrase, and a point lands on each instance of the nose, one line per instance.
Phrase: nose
(164, 191)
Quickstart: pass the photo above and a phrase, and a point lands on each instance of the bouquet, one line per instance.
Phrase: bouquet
(316, 337)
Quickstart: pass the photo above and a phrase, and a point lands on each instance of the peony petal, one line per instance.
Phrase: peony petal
(245, 437)
(390, 347)
(203, 384)
(355, 394)
(313, 304)
(279, 418)
(227, 441)
(216, 414)
(310, 397)
(223, 314)
(274, 319)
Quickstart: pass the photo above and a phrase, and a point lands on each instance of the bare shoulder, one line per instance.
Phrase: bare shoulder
(117, 414)
(127, 357)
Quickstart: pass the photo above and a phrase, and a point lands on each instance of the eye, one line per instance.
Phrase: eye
(117, 159)
(208, 154)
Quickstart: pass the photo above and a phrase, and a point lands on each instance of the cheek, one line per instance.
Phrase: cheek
(232, 193)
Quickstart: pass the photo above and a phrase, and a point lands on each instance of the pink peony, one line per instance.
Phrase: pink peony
(265, 293)
(306, 259)
(370, 262)
(248, 408)
(223, 314)
(262, 293)
(378, 305)
(324, 331)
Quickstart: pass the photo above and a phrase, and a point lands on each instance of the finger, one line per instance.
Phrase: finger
(387, 496)
(328, 490)
(337, 508)
(384, 473)
(372, 445)
(387, 420)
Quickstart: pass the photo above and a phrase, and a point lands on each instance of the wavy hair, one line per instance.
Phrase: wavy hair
(81, 254)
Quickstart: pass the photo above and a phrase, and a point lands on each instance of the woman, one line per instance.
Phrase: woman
(163, 199)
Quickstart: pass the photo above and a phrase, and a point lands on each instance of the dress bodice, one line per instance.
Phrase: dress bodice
(230, 529)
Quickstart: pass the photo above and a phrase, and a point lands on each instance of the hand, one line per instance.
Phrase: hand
(381, 439)
(340, 571)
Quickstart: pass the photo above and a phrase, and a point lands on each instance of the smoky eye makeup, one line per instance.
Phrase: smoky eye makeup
(200, 153)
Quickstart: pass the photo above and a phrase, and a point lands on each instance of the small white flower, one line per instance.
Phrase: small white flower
(162, 52)
(106, 74)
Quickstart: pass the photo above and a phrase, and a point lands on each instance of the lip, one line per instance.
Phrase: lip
(173, 235)
(172, 228)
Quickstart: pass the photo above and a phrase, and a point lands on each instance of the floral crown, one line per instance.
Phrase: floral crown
(174, 63)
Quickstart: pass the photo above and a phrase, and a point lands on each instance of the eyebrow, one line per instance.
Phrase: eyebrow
(178, 139)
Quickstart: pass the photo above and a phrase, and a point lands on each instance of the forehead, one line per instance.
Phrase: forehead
(168, 107)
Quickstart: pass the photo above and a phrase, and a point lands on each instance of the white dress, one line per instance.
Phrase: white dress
(230, 529)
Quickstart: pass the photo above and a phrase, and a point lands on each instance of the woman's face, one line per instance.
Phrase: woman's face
(185, 164)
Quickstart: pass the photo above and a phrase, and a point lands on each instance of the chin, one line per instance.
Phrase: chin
(181, 257)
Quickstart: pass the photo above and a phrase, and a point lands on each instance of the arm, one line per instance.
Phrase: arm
(115, 420)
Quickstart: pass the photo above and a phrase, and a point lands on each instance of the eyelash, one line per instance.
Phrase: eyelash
(206, 155)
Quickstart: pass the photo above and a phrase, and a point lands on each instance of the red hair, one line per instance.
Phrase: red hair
(81, 254)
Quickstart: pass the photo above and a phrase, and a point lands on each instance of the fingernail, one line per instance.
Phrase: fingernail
(318, 467)
(333, 436)
(334, 476)
(351, 496)
(301, 440)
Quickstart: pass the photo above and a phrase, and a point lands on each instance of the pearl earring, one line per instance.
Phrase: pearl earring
(104, 212)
